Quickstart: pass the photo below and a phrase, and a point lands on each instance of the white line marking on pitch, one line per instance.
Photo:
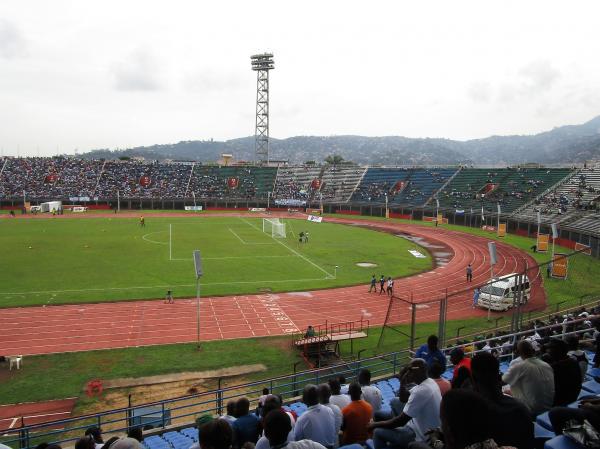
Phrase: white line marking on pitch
(248, 243)
(144, 237)
(329, 275)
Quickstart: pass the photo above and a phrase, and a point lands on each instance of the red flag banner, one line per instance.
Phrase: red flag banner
(399, 186)
(145, 181)
(316, 184)
(232, 183)
(51, 178)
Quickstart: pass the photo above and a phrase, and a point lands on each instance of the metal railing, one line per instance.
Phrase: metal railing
(183, 410)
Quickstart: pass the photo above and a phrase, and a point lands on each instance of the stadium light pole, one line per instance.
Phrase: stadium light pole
(199, 273)
(261, 64)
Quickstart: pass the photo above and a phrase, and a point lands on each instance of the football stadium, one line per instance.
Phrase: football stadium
(238, 303)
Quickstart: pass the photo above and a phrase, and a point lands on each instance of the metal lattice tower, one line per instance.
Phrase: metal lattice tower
(262, 64)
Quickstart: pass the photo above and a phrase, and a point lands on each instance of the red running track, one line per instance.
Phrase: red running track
(41, 330)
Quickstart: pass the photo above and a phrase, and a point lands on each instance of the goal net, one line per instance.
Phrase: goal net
(274, 227)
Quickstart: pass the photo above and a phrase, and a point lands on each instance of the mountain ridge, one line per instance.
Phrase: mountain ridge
(564, 144)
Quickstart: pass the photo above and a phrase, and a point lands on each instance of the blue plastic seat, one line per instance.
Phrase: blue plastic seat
(544, 421)
(561, 442)
(541, 433)
(592, 386)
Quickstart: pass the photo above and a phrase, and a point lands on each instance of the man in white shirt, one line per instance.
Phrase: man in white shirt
(337, 398)
(229, 417)
(421, 412)
(317, 423)
(370, 393)
(531, 380)
(277, 426)
(324, 399)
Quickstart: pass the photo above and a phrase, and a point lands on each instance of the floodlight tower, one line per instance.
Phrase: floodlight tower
(261, 64)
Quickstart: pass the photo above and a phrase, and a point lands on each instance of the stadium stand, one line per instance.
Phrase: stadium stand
(135, 179)
(422, 184)
(578, 194)
(296, 183)
(220, 182)
(377, 182)
(338, 183)
(511, 187)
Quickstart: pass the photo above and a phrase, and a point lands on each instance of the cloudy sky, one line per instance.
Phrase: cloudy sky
(112, 74)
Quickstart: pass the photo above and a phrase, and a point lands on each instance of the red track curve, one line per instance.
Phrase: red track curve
(82, 327)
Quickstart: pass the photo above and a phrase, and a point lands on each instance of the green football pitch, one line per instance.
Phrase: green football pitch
(110, 259)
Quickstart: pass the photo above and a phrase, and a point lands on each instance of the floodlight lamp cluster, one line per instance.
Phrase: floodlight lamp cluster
(262, 62)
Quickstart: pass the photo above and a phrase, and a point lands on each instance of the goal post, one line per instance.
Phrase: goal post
(274, 227)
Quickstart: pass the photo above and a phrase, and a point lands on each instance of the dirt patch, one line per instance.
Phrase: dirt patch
(194, 377)
(194, 405)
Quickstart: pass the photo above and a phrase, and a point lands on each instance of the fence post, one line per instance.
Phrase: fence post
(163, 414)
(413, 329)
(295, 380)
(219, 397)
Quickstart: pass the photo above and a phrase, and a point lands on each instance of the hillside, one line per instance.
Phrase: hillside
(566, 144)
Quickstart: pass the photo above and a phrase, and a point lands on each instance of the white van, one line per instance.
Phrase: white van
(499, 294)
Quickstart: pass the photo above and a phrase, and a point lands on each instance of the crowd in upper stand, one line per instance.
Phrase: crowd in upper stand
(571, 197)
(62, 177)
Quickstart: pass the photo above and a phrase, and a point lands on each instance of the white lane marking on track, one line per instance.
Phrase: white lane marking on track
(156, 286)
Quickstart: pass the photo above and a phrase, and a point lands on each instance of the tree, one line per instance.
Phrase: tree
(334, 159)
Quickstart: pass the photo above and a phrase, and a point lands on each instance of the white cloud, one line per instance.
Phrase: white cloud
(460, 69)
(139, 72)
(12, 42)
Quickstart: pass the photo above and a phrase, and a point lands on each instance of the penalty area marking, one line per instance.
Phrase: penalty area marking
(248, 243)
(329, 275)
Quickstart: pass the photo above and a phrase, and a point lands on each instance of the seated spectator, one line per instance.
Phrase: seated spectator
(107, 444)
(510, 421)
(273, 403)
(277, 427)
(371, 394)
(462, 368)
(357, 416)
(421, 412)
(96, 434)
(126, 443)
(465, 420)
(86, 442)
(317, 423)
(531, 380)
(588, 409)
(263, 397)
(215, 434)
(337, 398)
(230, 415)
(576, 353)
(246, 425)
(324, 399)
(567, 374)
(435, 372)
(430, 353)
